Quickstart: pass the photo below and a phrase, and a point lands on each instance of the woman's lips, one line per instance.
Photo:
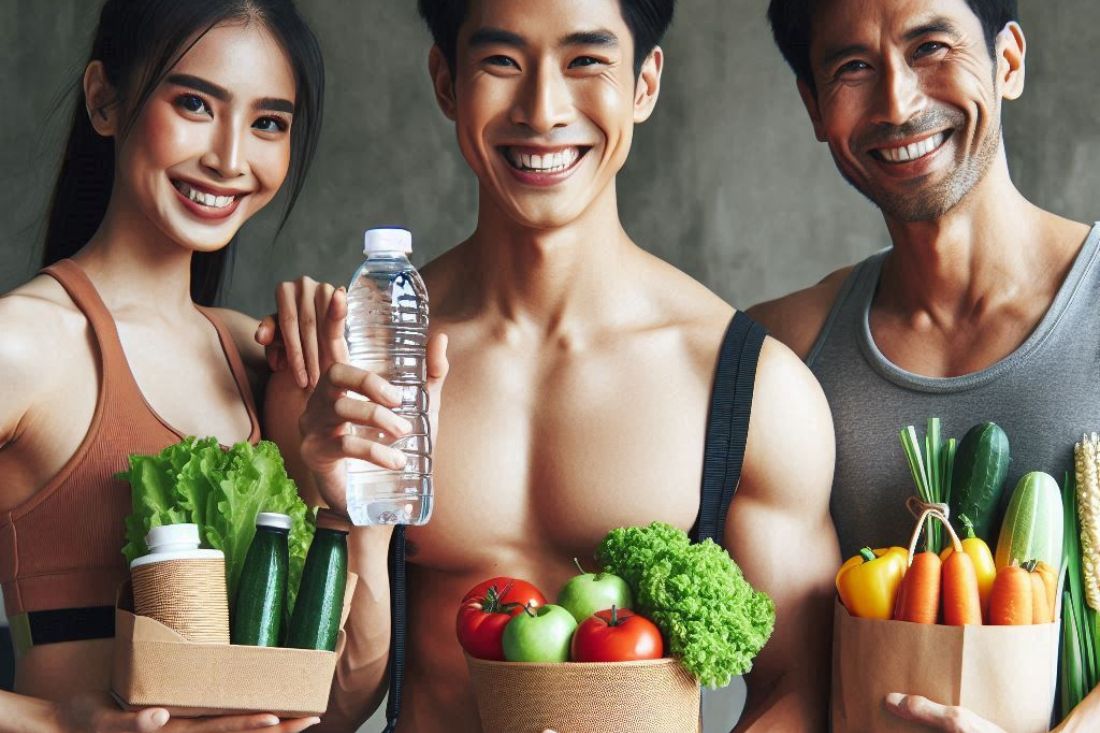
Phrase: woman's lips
(207, 203)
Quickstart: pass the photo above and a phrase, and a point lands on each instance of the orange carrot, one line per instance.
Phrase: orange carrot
(962, 604)
(1010, 600)
(919, 595)
(1040, 606)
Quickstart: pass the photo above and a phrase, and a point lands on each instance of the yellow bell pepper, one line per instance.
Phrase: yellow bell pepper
(984, 566)
(868, 583)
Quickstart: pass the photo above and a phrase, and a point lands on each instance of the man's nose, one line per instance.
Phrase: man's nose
(898, 97)
(545, 102)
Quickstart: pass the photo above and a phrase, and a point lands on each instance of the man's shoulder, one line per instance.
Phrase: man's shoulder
(797, 319)
(790, 417)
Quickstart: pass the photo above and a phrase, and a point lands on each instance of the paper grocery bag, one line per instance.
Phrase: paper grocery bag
(1005, 674)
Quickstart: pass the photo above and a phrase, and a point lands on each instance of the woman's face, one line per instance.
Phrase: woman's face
(211, 147)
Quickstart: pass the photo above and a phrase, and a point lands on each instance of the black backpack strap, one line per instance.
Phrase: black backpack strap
(728, 424)
(397, 626)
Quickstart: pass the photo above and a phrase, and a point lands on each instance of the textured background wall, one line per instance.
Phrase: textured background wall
(725, 181)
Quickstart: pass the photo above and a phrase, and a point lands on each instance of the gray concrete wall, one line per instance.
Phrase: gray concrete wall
(725, 181)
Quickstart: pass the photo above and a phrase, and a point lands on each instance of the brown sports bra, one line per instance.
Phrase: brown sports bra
(61, 550)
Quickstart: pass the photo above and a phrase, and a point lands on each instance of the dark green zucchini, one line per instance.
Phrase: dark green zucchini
(981, 466)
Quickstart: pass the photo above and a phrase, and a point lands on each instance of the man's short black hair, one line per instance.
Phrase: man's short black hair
(791, 21)
(647, 20)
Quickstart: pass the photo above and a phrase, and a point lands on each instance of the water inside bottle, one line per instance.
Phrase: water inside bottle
(387, 334)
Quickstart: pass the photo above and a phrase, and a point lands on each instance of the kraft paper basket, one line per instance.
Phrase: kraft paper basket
(656, 696)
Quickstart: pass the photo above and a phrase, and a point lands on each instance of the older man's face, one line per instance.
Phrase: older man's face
(908, 100)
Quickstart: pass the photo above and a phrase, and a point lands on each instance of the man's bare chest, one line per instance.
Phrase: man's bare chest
(554, 457)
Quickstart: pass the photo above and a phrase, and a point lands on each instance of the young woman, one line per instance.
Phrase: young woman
(191, 116)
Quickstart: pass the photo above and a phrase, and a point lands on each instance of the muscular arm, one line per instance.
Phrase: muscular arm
(360, 682)
(780, 532)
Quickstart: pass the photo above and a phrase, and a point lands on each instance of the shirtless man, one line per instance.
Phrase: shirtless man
(985, 308)
(580, 376)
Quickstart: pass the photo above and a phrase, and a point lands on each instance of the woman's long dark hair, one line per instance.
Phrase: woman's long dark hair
(138, 42)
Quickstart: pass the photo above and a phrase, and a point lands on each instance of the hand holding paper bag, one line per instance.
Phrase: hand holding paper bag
(949, 718)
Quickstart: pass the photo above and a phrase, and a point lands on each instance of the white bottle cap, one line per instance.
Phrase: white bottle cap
(387, 240)
(173, 537)
(273, 519)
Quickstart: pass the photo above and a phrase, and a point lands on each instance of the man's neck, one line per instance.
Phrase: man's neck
(561, 281)
(992, 247)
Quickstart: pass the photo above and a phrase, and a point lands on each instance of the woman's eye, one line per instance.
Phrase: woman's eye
(270, 124)
(583, 61)
(501, 61)
(192, 103)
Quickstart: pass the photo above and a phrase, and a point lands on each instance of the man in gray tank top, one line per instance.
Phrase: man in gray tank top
(983, 309)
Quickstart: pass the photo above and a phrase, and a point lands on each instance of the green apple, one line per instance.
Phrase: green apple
(587, 593)
(540, 634)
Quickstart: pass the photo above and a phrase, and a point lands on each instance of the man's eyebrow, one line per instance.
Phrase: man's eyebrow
(591, 38)
(495, 37)
(936, 25)
(832, 56)
(202, 85)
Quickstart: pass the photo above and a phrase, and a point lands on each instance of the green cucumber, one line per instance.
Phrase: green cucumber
(981, 466)
(1033, 525)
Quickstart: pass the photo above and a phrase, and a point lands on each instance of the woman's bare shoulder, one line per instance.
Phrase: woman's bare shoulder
(242, 329)
(41, 330)
(40, 314)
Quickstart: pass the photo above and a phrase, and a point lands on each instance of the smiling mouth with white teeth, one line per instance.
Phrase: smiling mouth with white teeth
(202, 198)
(555, 162)
(912, 151)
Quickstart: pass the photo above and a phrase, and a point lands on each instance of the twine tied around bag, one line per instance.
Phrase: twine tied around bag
(923, 510)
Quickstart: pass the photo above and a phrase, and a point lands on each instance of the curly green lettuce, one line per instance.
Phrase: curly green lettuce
(713, 620)
(222, 491)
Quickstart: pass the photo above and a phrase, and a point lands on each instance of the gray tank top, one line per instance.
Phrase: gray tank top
(1045, 395)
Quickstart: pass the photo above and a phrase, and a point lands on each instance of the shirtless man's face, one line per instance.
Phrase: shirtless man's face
(909, 99)
(545, 101)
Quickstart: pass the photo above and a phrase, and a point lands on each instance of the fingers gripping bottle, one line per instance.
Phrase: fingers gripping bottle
(387, 332)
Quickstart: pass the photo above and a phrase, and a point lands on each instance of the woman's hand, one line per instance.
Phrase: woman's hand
(97, 713)
(349, 413)
(290, 336)
(948, 718)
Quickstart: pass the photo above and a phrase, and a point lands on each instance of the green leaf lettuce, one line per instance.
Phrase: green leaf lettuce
(221, 491)
(711, 617)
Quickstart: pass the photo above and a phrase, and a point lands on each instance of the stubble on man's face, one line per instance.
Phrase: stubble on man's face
(936, 199)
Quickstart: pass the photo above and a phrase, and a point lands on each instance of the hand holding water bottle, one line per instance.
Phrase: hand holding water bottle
(352, 413)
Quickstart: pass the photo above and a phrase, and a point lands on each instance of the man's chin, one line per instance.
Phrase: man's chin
(544, 215)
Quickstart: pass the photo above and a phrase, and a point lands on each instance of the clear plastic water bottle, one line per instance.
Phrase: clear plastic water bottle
(387, 332)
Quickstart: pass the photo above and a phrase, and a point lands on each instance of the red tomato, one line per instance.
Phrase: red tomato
(616, 636)
(487, 608)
